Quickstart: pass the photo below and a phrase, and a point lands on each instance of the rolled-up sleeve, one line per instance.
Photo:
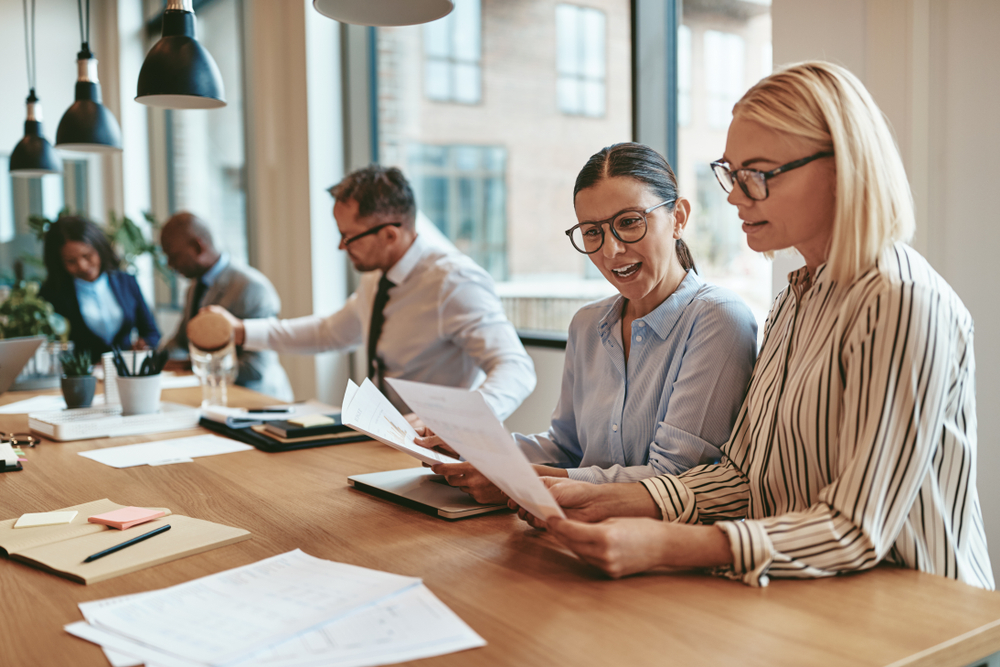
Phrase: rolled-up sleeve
(472, 316)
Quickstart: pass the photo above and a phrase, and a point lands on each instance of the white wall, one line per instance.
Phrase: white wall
(928, 63)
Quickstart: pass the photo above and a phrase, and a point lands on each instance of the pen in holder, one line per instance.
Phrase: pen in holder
(135, 376)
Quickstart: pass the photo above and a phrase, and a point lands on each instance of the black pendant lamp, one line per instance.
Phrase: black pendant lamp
(179, 73)
(33, 155)
(88, 125)
(384, 12)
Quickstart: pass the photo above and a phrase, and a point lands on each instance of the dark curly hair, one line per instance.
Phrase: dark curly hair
(645, 165)
(75, 228)
(378, 189)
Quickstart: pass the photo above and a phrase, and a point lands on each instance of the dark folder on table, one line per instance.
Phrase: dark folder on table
(273, 443)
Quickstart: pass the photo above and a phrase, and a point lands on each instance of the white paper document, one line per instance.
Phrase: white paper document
(464, 420)
(292, 610)
(44, 403)
(114, 657)
(365, 409)
(164, 451)
(34, 404)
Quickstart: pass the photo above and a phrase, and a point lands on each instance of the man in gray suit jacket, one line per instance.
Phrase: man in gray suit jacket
(243, 291)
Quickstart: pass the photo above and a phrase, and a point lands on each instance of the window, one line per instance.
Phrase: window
(75, 185)
(580, 60)
(711, 78)
(497, 177)
(21, 198)
(462, 191)
(684, 76)
(205, 163)
(452, 54)
(724, 76)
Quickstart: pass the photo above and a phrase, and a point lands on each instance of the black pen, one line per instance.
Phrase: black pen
(264, 410)
(144, 536)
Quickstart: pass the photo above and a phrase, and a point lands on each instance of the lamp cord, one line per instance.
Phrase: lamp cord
(29, 45)
(84, 26)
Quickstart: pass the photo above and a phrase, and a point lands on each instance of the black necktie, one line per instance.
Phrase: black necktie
(199, 291)
(378, 319)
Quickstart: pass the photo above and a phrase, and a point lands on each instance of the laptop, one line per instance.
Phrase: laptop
(14, 355)
(422, 490)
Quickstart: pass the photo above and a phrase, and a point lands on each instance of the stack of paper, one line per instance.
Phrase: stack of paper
(289, 610)
(365, 409)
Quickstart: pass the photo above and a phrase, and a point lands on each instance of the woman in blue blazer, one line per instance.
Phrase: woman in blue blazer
(102, 304)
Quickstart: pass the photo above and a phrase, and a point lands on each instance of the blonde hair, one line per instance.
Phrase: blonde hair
(826, 104)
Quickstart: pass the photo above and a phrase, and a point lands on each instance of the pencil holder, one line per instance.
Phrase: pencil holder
(139, 394)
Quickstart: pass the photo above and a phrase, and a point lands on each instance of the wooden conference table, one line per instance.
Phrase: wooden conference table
(531, 601)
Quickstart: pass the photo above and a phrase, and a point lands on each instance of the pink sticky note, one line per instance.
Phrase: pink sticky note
(126, 517)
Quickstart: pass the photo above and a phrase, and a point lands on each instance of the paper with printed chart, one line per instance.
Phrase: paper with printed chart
(407, 625)
(464, 420)
(230, 616)
(365, 409)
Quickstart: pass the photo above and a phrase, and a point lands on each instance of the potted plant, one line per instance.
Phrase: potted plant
(24, 313)
(77, 382)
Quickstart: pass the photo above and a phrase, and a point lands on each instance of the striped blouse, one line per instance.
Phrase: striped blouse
(857, 440)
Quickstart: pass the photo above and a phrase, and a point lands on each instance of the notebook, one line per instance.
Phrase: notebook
(61, 549)
(422, 490)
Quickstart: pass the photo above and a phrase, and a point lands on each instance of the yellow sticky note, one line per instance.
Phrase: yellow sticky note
(32, 519)
(306, 421)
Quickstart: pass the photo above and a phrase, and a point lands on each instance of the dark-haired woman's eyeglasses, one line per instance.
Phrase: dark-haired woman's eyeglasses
(628, 226)
(753, 182)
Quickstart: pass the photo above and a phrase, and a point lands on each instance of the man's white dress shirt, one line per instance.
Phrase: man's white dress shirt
(444, 325)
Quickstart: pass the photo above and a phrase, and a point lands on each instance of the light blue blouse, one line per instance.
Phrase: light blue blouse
(99, 307)
(670, 407)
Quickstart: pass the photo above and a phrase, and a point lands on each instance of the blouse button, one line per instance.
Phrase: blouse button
(638, 339)
(614, 427)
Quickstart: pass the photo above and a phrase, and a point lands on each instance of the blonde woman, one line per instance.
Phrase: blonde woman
(856, 443)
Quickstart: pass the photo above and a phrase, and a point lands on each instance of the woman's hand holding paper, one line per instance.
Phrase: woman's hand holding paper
(433, 442)
(590, 503)
(464, 476)
(621, 547)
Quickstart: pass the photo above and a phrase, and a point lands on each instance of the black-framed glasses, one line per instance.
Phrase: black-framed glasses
(753, 182)
(19, 439)
(628, 226)
(374, 230)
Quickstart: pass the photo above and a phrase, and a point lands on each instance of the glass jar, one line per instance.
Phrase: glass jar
(213, 356)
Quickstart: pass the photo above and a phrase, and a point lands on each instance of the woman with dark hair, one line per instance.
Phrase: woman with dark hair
(102, 304)
(655, 375)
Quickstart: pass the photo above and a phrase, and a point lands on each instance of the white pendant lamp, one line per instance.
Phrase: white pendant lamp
(384, 12)
(88, 126)
(180, 73)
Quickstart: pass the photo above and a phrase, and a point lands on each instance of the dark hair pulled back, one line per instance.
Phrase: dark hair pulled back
(643, 164)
